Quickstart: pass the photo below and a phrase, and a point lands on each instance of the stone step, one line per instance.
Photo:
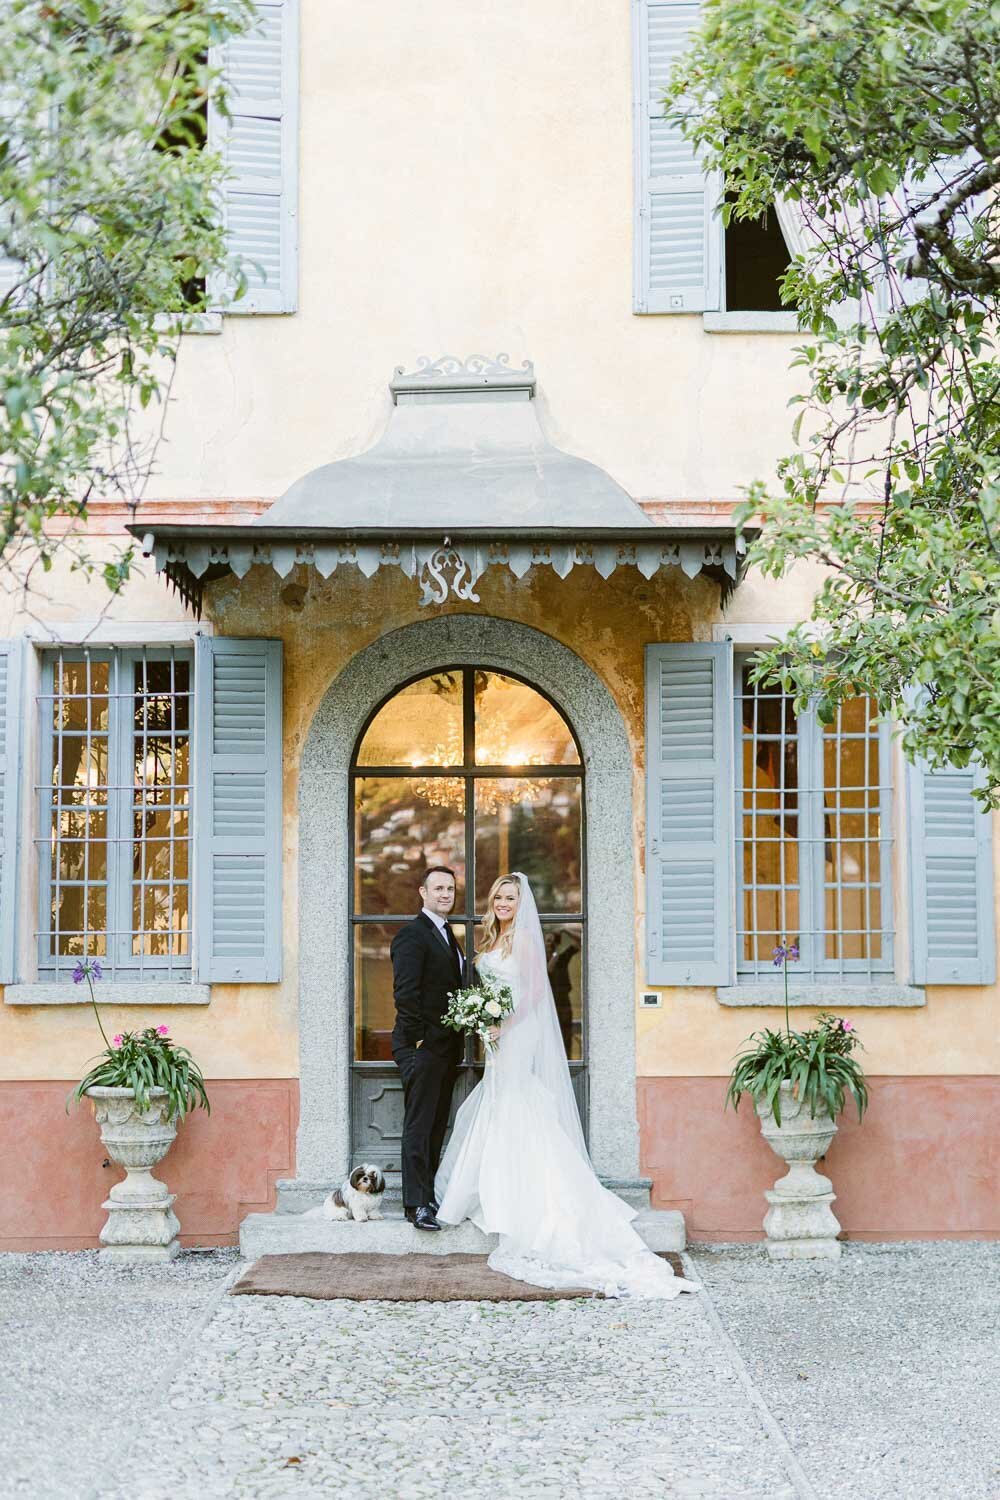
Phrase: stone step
(286, 1234)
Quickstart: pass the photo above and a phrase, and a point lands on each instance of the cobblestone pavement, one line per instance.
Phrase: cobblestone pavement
(147, 1383)
(882, 1368)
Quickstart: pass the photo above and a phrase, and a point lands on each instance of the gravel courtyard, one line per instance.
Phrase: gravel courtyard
(874, 1377)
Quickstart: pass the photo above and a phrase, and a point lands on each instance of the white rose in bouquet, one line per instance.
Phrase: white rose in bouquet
(479, 1009)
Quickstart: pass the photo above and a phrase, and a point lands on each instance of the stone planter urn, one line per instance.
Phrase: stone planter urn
(799, 1224)
(141, 1223)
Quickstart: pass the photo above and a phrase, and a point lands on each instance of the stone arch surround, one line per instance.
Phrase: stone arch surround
(324, 1139)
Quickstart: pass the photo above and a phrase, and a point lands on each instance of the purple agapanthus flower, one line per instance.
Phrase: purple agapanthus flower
(782, 954)
(84, 968)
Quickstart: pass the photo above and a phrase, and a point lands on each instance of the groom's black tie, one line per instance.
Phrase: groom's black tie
(456, 951)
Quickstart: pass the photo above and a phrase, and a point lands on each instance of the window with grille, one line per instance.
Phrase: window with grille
(114, 812)
(813, 838)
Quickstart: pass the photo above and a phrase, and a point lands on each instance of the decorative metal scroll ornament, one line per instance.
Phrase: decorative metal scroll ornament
(446, 571)
(477, 370)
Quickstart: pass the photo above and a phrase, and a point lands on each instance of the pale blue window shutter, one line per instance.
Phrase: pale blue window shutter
(678, 232)
(260, 146)
(951, 879)
(11, 660)
(689, 813)
(237, 753)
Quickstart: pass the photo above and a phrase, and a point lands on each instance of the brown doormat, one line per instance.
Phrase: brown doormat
(393, 1278)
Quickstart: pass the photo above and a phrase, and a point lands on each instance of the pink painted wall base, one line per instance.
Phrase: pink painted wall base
(925, 1163)
(222, 1166)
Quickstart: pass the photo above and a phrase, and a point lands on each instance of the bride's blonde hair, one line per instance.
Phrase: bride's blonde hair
(491, 927)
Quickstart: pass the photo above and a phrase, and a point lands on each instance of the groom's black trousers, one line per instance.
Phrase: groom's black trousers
(428, 1082)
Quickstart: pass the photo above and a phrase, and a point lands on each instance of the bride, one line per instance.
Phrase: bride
(517, 1165)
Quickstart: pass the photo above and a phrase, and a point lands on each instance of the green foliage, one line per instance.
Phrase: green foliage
(141, 1060)
(880, 122)
(144, 1060)
(110, 226)
(817, 1063)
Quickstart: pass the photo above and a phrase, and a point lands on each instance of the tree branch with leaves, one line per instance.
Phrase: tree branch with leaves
(878, 121)
(110, 234)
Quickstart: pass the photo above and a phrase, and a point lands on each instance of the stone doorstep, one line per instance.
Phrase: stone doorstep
(294, 1195)
(288, 1233)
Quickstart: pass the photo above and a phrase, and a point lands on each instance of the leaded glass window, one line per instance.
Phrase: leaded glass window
(114, 812)
(813, 837)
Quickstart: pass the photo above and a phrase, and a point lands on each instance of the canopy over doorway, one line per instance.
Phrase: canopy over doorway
(463, 480)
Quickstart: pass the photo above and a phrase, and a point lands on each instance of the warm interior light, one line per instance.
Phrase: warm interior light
(492, 749)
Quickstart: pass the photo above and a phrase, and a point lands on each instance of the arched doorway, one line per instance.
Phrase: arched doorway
(325, 842)
(478, 770)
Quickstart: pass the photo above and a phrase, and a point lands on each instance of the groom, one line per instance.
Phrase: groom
(427, 963)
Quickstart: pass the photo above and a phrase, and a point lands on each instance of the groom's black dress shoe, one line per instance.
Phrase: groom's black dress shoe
(424, 1219)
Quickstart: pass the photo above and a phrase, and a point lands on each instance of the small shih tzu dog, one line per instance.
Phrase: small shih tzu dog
(359, 1198)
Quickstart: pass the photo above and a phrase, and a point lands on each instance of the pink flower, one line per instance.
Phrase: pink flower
(847, 1025)
(162, 1030)
(117, 1041)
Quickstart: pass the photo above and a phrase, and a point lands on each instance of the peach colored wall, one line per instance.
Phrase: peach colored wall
(466, 186)
(924, 1164)
(957, 1031)
(222, 1166)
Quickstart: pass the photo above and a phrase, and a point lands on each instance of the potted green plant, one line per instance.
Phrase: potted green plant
(799, 1082)
(142, 1086)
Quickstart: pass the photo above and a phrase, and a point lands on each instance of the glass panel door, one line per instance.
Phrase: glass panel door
(478, 771)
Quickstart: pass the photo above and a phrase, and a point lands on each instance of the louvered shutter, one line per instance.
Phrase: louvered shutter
(260, 146)
(237, 753)
(678, 234)
(689, 801)
(11, 659)
(951, 879)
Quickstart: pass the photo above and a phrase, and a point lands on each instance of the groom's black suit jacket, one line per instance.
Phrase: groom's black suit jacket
(424, 971)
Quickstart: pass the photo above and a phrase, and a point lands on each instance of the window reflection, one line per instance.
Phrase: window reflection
(516, 726)
(533, 826)
(564, 955)
(374, 1010)
(397, 833)
(420, 726)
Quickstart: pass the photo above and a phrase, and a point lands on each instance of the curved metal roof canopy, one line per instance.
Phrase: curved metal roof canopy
(463, 479)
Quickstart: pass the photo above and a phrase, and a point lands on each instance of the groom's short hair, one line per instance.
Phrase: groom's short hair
(437, 870)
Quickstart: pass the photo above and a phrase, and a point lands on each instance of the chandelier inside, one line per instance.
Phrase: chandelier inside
(493, 748)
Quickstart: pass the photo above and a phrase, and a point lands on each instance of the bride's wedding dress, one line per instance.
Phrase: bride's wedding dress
(517, 1165)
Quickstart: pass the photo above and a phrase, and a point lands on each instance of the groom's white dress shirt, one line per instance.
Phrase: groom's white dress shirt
(440, 923)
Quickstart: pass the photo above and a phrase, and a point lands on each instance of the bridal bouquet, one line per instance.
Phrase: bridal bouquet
(479, 1008)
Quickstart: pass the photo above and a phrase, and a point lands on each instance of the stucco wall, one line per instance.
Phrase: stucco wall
(466, 187)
